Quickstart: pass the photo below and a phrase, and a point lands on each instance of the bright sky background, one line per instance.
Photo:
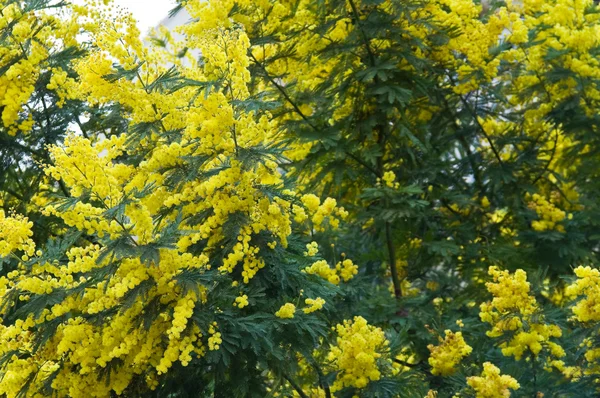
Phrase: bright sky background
(148, 12)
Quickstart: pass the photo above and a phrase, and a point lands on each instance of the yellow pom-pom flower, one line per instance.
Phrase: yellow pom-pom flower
(286, 311)
(491, 384)
(445, 357)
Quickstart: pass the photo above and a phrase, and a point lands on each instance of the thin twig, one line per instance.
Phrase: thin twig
(283, 92)
(392, 255)
(404, 363)
(295, 386)
(322, 381)
(476, 120)
(549, 160)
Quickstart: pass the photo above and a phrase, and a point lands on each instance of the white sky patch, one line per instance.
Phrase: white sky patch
(148, 13)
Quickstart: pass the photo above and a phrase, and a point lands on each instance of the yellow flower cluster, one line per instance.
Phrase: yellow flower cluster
(313, 305)
(445, 357)
(550, 215)
(389, 178)
(182, 312)
(214, 340)
(46, 34)
(241, 301)
(344, 270)
(320, 212)
(512, 310)
(533, 340)
(511, 296)
(347, 269)
(286, 311)
(312, 249)
(588, 285)
(468, 52)
(358, 350)
(491, 384)
(15, 235)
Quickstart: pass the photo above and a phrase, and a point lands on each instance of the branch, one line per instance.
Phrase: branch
(13, 193)
(63, 188)
(362, 32)
(392, 256)
(549, 160)
(283, 92)
(85, 135)
(465, 145)
(404, 363)
(383, 133)
(476, 119)
(322, 381)
(295, 386)
(303, 116)
(362, 163)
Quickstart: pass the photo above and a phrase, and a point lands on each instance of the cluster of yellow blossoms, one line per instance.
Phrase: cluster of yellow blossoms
(313, 305)
(587, 311)
(389, 178)
(445, 357)
(344, 270)
(45, 34)
(312, 249)
(286, 311)
(550, 215)
(491, 384)
(214, 340)
(587, 285)
(241, 301)
(359, 348)
(15, 235)
(512, 310)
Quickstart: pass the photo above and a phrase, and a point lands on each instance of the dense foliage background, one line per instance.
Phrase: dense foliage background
(338, 198)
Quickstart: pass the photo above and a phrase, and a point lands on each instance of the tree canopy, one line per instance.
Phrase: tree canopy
(306, 198)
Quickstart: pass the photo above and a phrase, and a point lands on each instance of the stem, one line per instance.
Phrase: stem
(392, 257)
(283, 92)
(295, 386)
(383, 132)
(362, 32)
(322, 381)
(304, 117)
(13, 193)
(63, 188)
(362, 163)
(85, 135)
(476, 120)
(549, 160)
(534, 370)
(465, 145)
(487, 137)
(404, 363)
(235, 142)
